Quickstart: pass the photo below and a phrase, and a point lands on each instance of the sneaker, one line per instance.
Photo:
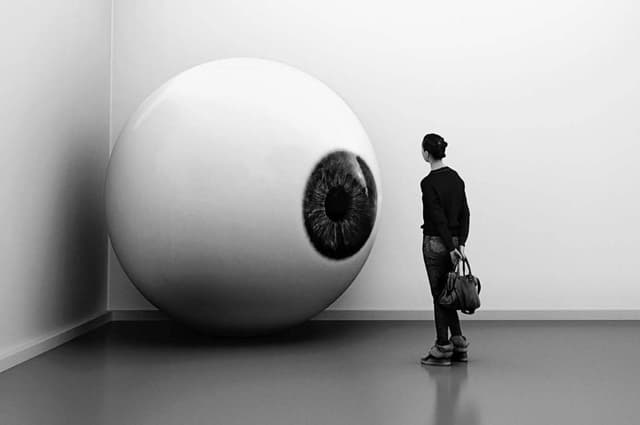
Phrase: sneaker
(439, 355)
(460, 348)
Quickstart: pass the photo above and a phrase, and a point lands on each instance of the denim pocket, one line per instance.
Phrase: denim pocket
(437, 246)
(433, 251)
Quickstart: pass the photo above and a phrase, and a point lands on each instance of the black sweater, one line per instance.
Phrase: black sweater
(445, 211)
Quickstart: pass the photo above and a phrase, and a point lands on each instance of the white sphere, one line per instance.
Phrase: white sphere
(241, 196)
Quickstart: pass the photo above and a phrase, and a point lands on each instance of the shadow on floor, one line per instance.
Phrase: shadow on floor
(168, 333)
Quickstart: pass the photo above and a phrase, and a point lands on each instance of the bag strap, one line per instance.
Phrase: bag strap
(465, 262)
(465, 265)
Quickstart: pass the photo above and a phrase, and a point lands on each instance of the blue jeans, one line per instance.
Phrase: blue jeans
(438, 264)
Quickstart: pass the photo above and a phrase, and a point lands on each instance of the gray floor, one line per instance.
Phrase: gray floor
(327, 373)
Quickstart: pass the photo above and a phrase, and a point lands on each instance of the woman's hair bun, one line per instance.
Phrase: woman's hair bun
(435, 145)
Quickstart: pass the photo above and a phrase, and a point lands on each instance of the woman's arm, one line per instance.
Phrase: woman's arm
(464, 218)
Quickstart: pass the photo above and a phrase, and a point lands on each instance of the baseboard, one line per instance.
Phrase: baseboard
(482, 315)
(144, 315)
(33, 348)
(137, 315)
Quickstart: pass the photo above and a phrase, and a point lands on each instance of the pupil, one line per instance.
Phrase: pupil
(337, 203)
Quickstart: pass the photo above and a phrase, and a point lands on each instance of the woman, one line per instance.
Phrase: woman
(445, 228)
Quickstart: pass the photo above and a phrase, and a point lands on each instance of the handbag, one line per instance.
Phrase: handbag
(461, 292)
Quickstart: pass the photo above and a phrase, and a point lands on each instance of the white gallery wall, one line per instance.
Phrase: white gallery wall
(538, 100)
(54, 109)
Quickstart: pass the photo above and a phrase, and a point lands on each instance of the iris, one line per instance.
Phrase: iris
(340, 204)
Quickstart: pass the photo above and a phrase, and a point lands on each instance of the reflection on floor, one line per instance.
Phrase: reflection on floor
(327, 373)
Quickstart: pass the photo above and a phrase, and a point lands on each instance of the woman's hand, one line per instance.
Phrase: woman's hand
(455, 256)
(461, 249)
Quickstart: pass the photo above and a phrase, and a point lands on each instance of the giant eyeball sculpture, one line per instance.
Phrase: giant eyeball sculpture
(241, 196)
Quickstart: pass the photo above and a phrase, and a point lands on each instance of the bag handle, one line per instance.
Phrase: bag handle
(466, 261)
(465, 265)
